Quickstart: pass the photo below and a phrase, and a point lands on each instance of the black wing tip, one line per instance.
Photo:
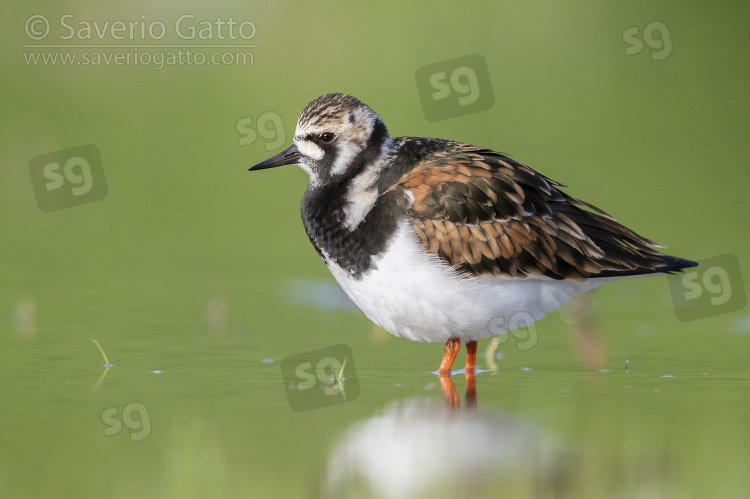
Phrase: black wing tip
(675, 265)
(671, 265)
(686, 264)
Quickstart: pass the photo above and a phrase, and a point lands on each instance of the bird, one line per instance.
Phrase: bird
(434, 239)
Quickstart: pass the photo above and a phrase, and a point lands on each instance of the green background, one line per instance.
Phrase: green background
(185, 266)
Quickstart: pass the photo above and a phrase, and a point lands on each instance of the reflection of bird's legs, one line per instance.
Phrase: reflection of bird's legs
(450, 394)
(471, 389)
(469, 374)
(450, 350)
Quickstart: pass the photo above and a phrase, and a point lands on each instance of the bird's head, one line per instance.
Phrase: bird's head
(336, 136)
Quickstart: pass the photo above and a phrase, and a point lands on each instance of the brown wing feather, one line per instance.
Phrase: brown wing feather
(490, 215)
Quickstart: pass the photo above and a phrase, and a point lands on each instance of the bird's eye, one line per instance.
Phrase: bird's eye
(327, 137)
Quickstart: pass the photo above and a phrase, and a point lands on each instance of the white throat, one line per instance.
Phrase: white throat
(362, 192)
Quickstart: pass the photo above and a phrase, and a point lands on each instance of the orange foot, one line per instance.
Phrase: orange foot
(450, 350)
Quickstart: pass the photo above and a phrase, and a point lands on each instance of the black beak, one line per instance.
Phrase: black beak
(288, 156)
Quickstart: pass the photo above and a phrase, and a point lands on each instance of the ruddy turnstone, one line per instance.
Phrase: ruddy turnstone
(434, 238)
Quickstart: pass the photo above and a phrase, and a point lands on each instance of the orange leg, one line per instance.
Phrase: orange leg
(471, 356)
(450, 350)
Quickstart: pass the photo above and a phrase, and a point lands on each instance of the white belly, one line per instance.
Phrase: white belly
(414, 295)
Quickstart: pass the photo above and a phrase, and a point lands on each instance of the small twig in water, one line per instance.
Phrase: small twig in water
(341, 372)
(107, 365)
(106, 360)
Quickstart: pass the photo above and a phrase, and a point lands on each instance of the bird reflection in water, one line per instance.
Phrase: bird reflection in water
(450, 393)
(416, 448)
(419, 447)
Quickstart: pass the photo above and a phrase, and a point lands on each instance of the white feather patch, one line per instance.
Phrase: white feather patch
(346, 151)
(363, 190)
(415, 295)
(361, 197)
(310, 149)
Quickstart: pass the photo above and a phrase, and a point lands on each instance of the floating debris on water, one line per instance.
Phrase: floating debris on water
(524, 368)
(157, 372)
(667, 376)
(267, 361)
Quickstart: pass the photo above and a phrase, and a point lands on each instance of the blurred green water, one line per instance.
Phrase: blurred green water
(185, 235)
